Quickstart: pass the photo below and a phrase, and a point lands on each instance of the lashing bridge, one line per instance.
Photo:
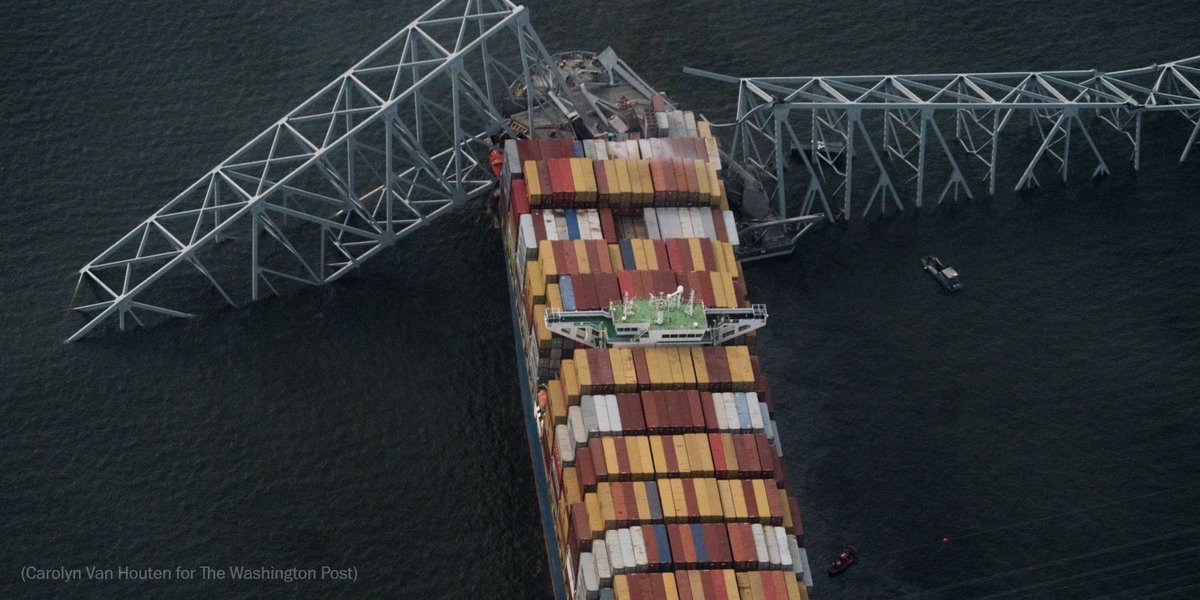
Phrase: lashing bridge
(897, 124)
(401, 138)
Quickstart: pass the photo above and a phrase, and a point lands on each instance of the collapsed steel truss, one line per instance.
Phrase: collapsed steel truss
(829, 121)
(394, 142)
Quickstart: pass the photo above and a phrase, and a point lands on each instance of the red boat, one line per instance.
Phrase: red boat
(843, 560)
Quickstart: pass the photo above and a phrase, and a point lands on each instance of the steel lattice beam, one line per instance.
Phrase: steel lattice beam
(845, 120)
(394, 142)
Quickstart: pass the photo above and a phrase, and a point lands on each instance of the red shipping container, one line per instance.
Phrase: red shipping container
(716, 541)
(596, 451)
(715, 590)
(675, 539)
(720, 463)
(519, 197)
(766, 454)
(543, 169)
(681, 183)
(585, 469)
(602, 256)
(718, 221)
(747, 454)
(640, 367)
(693, 402)
(710, 416)
(710, 261)
(650, 410)
(602, 187)
(633, 419)
(780, 472)
(625, 281)
(580, 532)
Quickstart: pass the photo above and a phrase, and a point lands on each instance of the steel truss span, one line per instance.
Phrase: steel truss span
(397, 140)
(898, 124)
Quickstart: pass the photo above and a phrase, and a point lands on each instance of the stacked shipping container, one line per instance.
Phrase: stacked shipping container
(663, 462)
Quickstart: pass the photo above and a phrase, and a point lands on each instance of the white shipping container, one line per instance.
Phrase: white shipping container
(601, 150)
(777, 442)
(639, 548)
(714, 156)
(731, 414)
(808, 580)
(594, 224)
(785, 553)
(650, 216)
(627, 555)
(590, 421)
(551, 227)
(718, 401)
(634, 149)
(772, 546)
(603, 566)
(528, 236)
(644, 149)
(690, 119)
(566, 448)
(512, 160)
(753, 405)
(664, 125)
(705, 216)
(685, 223)
(614, 413)
(602, 414)
(730, 227)
(591, 581)
(760, 545)
(612, 543)
(580, 586)
(575, 422)
(794, 550)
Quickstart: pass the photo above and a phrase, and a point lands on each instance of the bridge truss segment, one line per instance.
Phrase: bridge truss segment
(397, 140)
(898, 124)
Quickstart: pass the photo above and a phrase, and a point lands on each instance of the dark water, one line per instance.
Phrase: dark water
(373, 424)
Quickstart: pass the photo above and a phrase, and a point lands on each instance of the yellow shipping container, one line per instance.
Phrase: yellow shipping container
(589, 178)
(702, 461)
(714, 499)
(544, 337)
(739, 500)
(726, 496)
(645, 459)
(621, 587)
(614, 256)
(793, 588)
(673, 367)
(651, 256)
(610, 176)
(668, 584)
(730, 452)
(698, 365)
(658, 455)
(703, 510)
(703, 129)
(570, 377)
(666, 498)
(553, 296)
(582, 372)
(571, 489)
(740, 370)
(635, 182)
(558, 402)
(645, 515)
(604, 493)
(743, 586)
(535, 282)
(581, 256)
(533, 185)
(697, 255)
(681, 454)
(760, 498)
(731, 584)
(631, 380)
(702, 182)
(609, 445)
(647, 182)
(639, 255)
(546, 258)
(618, 181)
(680, 499)
(689, 369)
(595, 518)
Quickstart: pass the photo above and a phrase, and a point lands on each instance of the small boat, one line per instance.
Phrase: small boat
(844, 560)
(945, 275)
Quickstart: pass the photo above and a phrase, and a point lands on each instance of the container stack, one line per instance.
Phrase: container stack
(664, 463)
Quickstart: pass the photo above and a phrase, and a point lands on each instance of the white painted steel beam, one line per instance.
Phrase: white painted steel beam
(836, 118)
(397, 140)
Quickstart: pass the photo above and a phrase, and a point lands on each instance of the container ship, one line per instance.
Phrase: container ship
(657, 463)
